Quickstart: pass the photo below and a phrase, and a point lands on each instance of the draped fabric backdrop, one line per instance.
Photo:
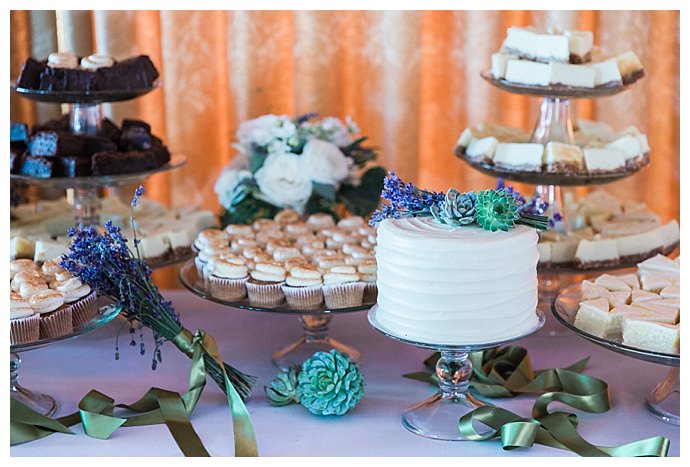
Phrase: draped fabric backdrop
(410, 79)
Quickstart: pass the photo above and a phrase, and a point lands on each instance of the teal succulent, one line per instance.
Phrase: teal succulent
(496, 210)
(330, 383)
(283, 389)
(456, 209)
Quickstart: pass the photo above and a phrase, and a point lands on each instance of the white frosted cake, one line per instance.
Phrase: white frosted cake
(443, 285)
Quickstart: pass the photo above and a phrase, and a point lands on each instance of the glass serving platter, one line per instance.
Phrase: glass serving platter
(548, 178)
(80, 97)
(557, 90)
(565, 308)
(176, 161)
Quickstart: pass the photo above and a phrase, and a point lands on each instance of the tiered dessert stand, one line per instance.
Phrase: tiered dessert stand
(554, 124)
(86, 115)
(437, 417)
(664, 400)
(315, 323)
(42, 403)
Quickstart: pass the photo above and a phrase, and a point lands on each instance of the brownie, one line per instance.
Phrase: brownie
(30, 74)
(53, 143)
(160, 152)
(133, 122)
(55, 124)
(73, 166)
(135, 138)
(134, 73)
(17, 149)
(37, 166)
(66, 79)
(112, 163)
(110, 130)
(94, 144)
(18, 132)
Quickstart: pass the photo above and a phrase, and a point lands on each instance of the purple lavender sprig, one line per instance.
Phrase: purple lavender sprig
(405, 200)
(105, 261)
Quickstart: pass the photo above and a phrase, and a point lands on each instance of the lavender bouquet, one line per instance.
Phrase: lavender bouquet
(105, 261)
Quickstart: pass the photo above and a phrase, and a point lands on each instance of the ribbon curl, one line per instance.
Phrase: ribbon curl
(507, 372)
(157, 406)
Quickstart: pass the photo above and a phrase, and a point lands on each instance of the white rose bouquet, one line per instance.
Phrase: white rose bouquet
(304, 164)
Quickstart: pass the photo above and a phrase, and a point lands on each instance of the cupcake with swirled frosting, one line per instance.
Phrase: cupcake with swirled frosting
(302, 287)
(264, 286)
(80, 297)
(367, 270)
(24, 323)
(63, 60)
(96, 61)
(228, 277)
(342, 287)
(56, 319)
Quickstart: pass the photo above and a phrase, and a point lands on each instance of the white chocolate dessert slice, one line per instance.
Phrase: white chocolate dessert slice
(527, 72)
(639, 246)
(564, 252)
(629, 66)
(482, 149)
(519, 156)
(593, 317)
(499, 62)
(659, 263)
(594, 253)
(580, 45)
(653, 336)
(654, 281)
(670, 234)
(613, 283)
(601, 160)
(44, 250)
(606, 73)
(571, 75)
(639, 296)
(561, 157)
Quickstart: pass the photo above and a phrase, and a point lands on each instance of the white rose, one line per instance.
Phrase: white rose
(259, 131)
(227, 183)
(283, 181)
(324, 162)
(339, 134)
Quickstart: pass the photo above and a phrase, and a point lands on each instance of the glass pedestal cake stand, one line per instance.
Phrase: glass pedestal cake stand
(664, 400)
(315, 323)
(438, 416)
(43, 403)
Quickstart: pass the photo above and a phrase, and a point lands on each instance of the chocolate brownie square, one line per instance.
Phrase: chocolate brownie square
(160, 152)
(30, 74)
(72, 166)
(133, 73)
(112, 163)
(94, 144)
(53, 143)
(110, 130)
(37, 166)
(133, 122)
(135, 138)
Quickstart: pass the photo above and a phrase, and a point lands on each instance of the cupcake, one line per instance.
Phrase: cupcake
(287, 216)
(24, 275)
(81, 298)
(32, 286)
(320, 221)
(342, 287)
(309, 249)
(238, 230)
(265, 236)
(51, 267)
(56, 318)
(367, 274)
(282, 254)
(331, 261)
(264, 285)
(302, 288)
(292, 231)
(228, 277)
(261, 225)
(240, 243)
(208, 235)
(18, 265)
(277, 243)
(24, 323)
(352, 223)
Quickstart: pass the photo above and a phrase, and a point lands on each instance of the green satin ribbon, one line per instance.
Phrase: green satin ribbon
(157, 406)
(507, 372)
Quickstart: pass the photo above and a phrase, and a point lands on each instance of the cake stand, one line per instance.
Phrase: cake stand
(43, 403)
(315, 323)
(438, 416)
(664, 400)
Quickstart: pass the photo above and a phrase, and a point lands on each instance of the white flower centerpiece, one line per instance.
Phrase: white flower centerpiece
(303, 164)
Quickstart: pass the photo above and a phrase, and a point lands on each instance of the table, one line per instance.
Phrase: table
(69, 369)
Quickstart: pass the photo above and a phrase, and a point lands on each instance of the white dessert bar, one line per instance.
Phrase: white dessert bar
(606, 73)
(45, 250)
(630, 146)
(594, 252)
(593, 317)
(499, 62)
(580, 45)
(465, 138)
(561, 157)
(660, 263)
(598, 160)
(670, 233)
(571, 75)
(639, 245)
(482, 149)
(649, 335)
(629, 66)
(527, 72)
(519, 156)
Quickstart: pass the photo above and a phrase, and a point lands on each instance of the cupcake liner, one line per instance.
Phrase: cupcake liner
(371, 292)
(199, 266)
(303, 298)
(25, 330)
(344, 295)
(227, 289)
(266, 294)
(58, 323)
(84, 309)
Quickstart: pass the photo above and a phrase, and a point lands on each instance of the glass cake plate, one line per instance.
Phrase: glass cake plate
(549, 178)
(437, 417)
(557, 90)
(43, 403)
(81, 97)
(315, 323)
(664, 400)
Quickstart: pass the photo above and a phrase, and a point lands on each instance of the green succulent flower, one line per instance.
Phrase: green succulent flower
(283, 389)
(457, 208)
(330, 384)
(496, 210)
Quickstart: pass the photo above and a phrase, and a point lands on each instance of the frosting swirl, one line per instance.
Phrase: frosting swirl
(73, 289)
(95, 61)
(63, 60)
(268, 272)
(46, 301)
(340, 275)
(19, 307)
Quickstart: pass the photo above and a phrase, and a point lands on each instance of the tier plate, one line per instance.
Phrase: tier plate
(78, 97)
(190, 279)
(565, 308)
(557, 90)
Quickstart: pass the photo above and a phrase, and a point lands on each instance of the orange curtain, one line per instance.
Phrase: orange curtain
(410, 79)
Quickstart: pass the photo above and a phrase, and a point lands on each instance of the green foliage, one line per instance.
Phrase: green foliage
(363, 199)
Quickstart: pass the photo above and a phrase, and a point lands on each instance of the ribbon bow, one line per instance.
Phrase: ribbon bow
(157, 406)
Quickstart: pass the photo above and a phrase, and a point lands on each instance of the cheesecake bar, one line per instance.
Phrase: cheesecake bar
(528, 72)
(595, 253)
(580, 44)
(482, 149)
(670, 234)
(631, 147)
(653, 336)
(660, 263)
(561, 157)
(639, 246)
(602, 160)
(519, 156)
(499, 61)
(630, 67)
(606, 73)
(593, 317)
(530, 44)
(575, 76)
(45, 250)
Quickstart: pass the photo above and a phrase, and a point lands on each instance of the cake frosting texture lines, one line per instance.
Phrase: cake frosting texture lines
(455, 286)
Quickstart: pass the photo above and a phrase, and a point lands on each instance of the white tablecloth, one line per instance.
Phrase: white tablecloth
(69, 369)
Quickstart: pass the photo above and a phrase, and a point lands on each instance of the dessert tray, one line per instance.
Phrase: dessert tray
(42, 403)
(314, 322)
(663, 400)
(551, 178)
(557, 90)
(78, 97)
(437, 417)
